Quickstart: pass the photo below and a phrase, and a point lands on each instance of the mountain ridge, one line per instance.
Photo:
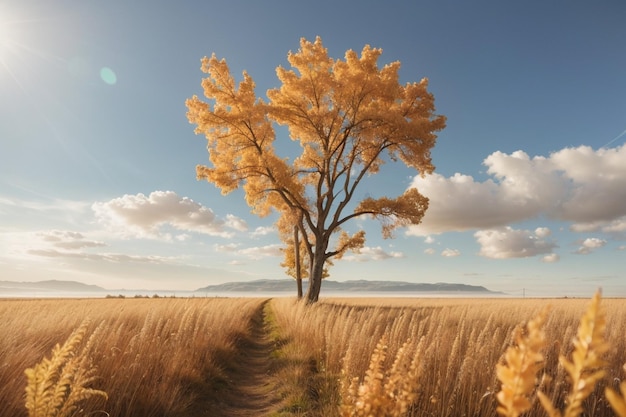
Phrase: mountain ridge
(356, 286)
(49, 285)
(261, 285)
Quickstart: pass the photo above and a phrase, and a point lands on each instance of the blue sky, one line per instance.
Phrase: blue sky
(97, 159)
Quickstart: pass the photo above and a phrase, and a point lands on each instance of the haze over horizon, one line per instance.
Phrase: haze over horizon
(97, 159)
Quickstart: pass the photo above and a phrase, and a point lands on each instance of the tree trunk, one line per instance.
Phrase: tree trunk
(315, 277)
(296, 239)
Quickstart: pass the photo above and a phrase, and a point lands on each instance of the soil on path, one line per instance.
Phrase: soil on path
(252, 386)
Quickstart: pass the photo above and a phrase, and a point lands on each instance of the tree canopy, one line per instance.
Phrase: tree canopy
(349, 116)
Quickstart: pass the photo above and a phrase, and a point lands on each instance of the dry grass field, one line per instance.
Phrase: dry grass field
(153, 357)
(340, 357)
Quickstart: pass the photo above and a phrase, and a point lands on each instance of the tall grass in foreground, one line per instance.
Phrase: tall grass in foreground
(174, 357)
(617, 400)
(57, 386)
(154, 357)
(384, 394)
(522, 363)
(462, 344)
(585, 370)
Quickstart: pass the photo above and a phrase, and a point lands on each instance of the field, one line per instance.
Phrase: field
(340, 357)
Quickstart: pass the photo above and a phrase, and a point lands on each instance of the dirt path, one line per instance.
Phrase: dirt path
(253, 390)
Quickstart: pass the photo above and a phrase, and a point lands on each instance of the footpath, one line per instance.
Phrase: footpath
(252, 390)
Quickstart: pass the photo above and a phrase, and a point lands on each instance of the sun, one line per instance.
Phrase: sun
(8, 37)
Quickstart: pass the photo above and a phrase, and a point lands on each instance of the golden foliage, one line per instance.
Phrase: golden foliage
(350, 243)
(346, 115)
(407, 209)
(522, 362)
(57, 386)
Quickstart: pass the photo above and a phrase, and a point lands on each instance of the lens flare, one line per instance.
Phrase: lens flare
(108, 75)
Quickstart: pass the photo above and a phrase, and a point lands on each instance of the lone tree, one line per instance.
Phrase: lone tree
(348, 116)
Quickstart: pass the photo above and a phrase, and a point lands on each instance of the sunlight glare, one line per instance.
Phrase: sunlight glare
(8, 37)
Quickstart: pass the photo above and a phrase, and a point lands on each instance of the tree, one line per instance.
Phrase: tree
(349, 117)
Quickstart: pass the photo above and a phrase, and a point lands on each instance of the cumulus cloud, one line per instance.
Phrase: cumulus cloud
(589, 245)
(581, 186)
(551, 258)
(430, 251)
(616, 228)
(505, 242)
(368, 253)
(236, 223)
(259, 252)
(450, 253)
(542, 232)
(146, 216)
(262, 231)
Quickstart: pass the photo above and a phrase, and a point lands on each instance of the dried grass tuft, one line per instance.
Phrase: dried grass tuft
(57, 386)
(617, 401)
(522, 363)
(585, 368)
(381, 393)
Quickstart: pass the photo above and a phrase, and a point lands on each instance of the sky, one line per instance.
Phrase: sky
(97, 158)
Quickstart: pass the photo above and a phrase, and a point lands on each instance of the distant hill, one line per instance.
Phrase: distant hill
(263, 285)
(269, 285)
(51, 285)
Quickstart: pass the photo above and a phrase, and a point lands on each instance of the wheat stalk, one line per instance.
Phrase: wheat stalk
(385, 394)
(584, 369)
(57, 385)
(522, 362)
(617, 401)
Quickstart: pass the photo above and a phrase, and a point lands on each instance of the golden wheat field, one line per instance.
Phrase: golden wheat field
(339, 357)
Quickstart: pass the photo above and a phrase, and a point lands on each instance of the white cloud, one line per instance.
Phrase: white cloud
(577, 185)
(145, 216)
(110, 257)
(20, 245)
(551, 258)
(616, 227)
(368, 253)
(236, 223)
(230, 247)
(182, 237)
(450, 253)
(504, 243)
(259, 252)
(68, 239)
(68, 245)
(430, 251)
(594, 242)
(262, 231)
(542, 232)
(589, 245)
(429, 240)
